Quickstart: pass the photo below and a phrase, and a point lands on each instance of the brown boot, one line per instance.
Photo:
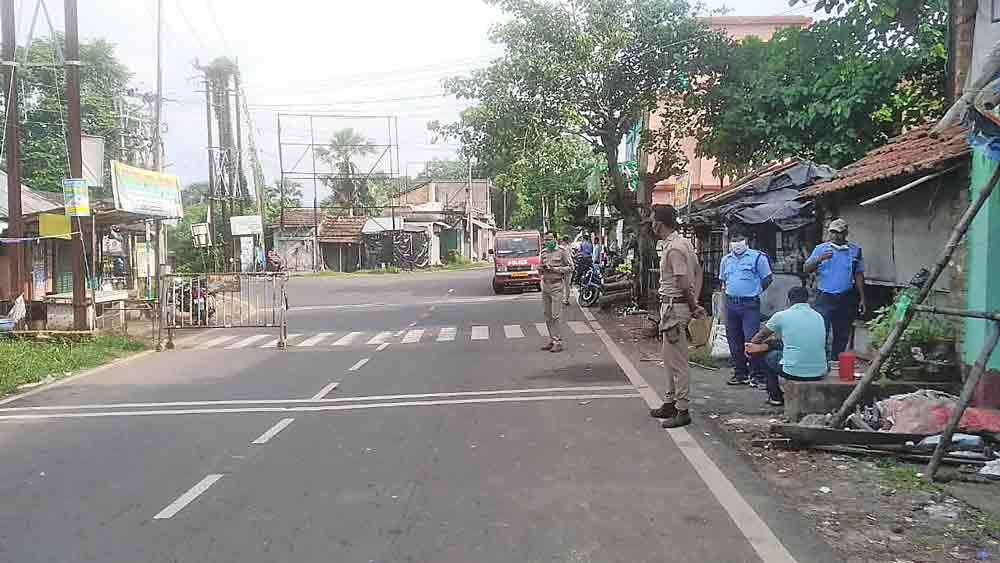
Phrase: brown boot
(683, 418)
(547, 347)
(556, 347)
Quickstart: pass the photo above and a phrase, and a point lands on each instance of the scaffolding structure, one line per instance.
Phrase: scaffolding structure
(340, 157)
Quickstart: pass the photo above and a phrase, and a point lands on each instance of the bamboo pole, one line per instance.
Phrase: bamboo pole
(957, 234)
(978, 369)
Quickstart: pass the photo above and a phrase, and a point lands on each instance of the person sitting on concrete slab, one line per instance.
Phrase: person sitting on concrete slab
(793, 343)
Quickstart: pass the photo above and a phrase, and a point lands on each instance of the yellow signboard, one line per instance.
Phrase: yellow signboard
(76, 198)
(682, 191)
(145, 192)
(53, 225)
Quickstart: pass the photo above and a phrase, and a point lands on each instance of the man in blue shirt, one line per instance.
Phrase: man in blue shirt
(840, 279)
(800, 354)
(745, 274)
(584, 257)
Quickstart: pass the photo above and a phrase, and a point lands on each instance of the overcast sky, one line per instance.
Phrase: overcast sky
(382, 57)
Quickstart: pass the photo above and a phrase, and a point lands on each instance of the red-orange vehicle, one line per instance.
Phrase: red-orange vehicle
(516, 260)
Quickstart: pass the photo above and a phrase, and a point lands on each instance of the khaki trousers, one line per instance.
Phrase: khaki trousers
(552, 296)
(674, 319)
(566, 289)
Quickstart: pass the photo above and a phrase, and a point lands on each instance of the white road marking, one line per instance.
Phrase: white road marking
(414, 323)
(380, 338)
(413, 336)
(451, 291)
(273, 431)
(542, 328)
(588, 315)
(347, 339)
(579, 327)
(274, 343)
(314, 340)
(586, 388)
(754, 529)
(447, 334)
(216, 342)
(186, 499)
(321, 408)
(450, 301)
(382, 346)
(323, 392)
(480, 332)
(513, 331)
(358, 365)
(247, 341)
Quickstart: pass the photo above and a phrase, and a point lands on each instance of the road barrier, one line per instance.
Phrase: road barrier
(223, 300)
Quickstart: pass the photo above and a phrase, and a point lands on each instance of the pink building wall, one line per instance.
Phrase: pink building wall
(703, 180)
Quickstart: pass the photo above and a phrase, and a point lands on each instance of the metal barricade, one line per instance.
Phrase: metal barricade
(224, 300)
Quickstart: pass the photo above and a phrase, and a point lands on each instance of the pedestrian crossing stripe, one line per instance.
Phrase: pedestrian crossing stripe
(372, 338)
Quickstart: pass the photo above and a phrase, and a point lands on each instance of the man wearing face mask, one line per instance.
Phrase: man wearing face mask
(840, 279)
(555, 266)
(745, 274)
(680, 286)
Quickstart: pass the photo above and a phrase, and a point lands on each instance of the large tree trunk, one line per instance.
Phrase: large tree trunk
(632, 213)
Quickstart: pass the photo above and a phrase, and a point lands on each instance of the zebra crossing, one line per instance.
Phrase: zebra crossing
(404, 337)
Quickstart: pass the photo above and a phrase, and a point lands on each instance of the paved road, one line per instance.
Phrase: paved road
(413, 418)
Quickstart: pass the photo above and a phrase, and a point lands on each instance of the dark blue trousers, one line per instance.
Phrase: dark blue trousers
(772, 365)
(839, 311)
(742, 322)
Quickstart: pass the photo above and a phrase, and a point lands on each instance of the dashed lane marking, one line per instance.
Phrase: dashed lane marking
(273, 431)
(188, 497)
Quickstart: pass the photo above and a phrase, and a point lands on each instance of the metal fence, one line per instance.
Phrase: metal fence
(223, 300)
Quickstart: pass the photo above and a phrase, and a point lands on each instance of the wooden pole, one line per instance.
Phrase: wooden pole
(957, 234)
(12, 144)
(73, 143)
(978, 369)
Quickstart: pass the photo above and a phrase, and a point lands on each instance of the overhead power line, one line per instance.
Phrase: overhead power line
(215, 20)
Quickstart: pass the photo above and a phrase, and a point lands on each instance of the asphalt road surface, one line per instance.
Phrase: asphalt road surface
(412, 418)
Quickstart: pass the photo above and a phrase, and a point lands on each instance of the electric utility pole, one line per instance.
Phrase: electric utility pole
(159, 250)
(12, 145)
(73, 144)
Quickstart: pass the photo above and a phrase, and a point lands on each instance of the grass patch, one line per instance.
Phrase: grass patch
(904, 477)
(24, 361)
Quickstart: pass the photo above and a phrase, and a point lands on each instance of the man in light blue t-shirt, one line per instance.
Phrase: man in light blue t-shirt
(800, 354)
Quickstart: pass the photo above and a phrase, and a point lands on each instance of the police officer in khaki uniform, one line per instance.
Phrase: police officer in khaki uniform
(680, 286)
(556, 266)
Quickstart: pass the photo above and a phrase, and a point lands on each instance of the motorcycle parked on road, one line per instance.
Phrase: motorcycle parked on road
(591, 284)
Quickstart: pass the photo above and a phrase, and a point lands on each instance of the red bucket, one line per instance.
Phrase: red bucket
(846, 360)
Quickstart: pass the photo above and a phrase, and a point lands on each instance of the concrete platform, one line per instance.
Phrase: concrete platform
(826, 395)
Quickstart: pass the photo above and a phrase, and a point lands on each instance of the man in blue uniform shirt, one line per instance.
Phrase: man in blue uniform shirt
(840, 281)
(745, 274)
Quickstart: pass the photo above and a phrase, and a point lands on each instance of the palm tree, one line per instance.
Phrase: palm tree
(348, 188)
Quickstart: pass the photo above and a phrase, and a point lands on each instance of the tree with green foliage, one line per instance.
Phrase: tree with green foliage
(830, 92)
(43, 110)
(273, 201)
(589, 69)
(444, 169)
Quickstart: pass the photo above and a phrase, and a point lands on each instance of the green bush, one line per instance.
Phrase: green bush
(924, 329)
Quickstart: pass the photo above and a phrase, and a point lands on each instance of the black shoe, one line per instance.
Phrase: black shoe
(738, 380)
(775, 402)
(683, 418)
(668, 410)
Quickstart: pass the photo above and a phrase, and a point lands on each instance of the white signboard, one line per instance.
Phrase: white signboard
(145, 192)
(247, 254)
(201, 235)
(93, 160)
(246, 225)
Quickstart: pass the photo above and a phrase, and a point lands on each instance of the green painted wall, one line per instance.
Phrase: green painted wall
(983, 262)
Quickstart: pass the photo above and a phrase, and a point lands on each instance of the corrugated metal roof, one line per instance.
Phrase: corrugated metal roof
(914, 152)
(32, 201)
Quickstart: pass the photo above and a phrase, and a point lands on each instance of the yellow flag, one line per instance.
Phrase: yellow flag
(53, 225)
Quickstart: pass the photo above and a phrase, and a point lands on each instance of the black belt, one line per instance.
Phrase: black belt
(738, 300)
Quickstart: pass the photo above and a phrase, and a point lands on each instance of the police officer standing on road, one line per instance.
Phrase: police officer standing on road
(556, 265)
(840, 277)
(745, 274)
(680, 286)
